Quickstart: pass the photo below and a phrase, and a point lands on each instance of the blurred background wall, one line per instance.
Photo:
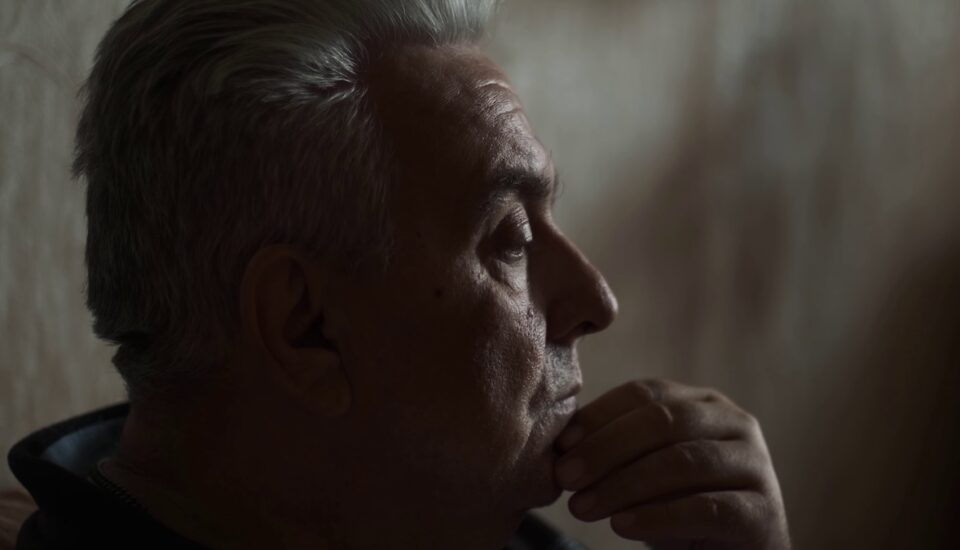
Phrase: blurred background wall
(770, 186)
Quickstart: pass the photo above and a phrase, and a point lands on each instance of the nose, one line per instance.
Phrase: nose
(580, 300)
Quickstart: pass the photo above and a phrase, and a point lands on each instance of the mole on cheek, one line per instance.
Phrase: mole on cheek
(438, 293)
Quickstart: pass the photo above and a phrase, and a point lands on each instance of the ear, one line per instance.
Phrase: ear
(283, 297)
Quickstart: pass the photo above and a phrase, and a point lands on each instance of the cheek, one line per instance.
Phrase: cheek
(510, 359)
(512, 337)
(486, 343)
(460, 349)
(511, 355)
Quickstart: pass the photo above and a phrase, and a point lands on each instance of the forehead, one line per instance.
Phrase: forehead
(454, 121)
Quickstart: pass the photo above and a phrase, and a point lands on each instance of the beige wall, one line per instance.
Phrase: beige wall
(50, 363)
(770, 187)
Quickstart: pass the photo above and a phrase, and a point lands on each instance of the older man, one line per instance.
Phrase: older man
(320, 235)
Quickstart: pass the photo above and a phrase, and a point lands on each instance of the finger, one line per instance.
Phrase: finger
(730, 517)
(641, 432)
(682, 469)
(623, 399)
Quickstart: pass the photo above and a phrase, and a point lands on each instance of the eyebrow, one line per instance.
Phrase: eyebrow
(525, 183)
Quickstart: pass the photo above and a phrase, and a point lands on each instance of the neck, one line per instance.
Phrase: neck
(228, 476)
(167, 461)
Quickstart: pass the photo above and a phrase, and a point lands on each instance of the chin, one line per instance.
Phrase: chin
(539, 487)
(535, 485)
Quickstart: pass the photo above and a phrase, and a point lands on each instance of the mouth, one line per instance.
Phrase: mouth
(563, 410)
(571, 392)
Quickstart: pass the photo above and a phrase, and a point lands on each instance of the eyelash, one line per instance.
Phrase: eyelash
(516, 244)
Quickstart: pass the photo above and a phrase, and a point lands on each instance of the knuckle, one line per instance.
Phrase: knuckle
(713, 396)
(698, 456)
(757, 479)
(746, 423)
(727, 509)
(721, 400)
(659, 387)
(713, 456)
(715, 509)
(690, 415)
(643, 392)
(740, 509)
(752, 425)
(753, 511)
(687, 456)
(716, 396)
(680, 420)
(663, 419)
(740, 515)
(760, 474)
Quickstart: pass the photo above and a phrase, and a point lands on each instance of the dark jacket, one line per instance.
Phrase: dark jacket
(77, 509)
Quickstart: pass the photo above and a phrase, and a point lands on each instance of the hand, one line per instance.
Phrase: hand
(674, 466)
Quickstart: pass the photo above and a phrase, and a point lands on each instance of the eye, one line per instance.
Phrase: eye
(513, 237)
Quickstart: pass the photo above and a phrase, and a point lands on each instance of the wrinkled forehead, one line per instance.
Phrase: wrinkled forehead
(453, 105)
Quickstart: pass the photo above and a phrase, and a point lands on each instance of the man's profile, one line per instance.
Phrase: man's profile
(320, 236)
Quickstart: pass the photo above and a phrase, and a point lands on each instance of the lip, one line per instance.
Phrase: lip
(563, 410)
(571, 392)
(566, 406)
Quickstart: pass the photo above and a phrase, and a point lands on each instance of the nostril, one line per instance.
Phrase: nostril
(588, 327)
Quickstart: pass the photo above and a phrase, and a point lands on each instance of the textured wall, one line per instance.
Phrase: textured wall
(769, 185)
(50, 363)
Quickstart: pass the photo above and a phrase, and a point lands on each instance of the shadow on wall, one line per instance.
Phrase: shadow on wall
(895, 442)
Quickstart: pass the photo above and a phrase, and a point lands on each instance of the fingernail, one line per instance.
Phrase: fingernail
(569, 472)
(570, 437)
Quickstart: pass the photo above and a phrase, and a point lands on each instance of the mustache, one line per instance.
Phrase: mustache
(560, 356)
(562, 370)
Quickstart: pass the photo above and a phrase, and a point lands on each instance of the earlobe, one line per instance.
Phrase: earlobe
(282, 309)
(324, 390)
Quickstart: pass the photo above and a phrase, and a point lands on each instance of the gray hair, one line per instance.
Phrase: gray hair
(212, 128)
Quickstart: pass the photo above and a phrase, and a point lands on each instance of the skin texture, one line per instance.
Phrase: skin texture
(675, 466)
(421, 408)
(418, 408)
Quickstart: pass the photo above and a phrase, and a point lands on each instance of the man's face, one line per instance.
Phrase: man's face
(462, 359)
